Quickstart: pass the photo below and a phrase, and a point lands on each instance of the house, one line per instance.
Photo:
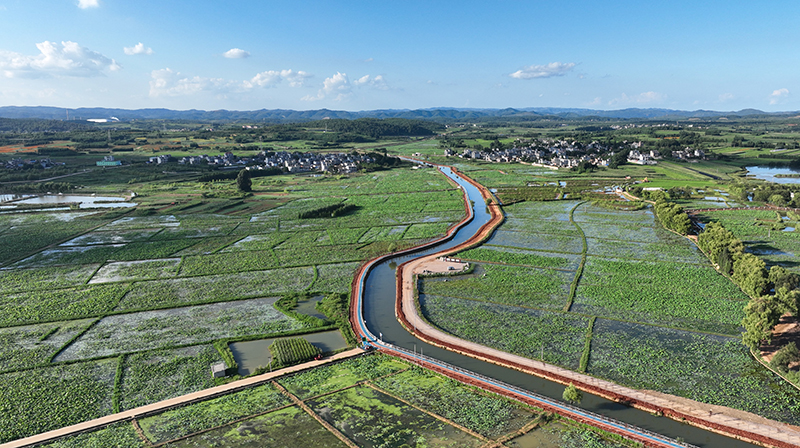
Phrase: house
(218, 370)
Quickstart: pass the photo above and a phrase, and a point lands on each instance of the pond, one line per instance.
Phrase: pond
(769, 173)
(84, 201)
(250, 355)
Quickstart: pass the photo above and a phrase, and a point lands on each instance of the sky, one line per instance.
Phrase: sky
(365, 55)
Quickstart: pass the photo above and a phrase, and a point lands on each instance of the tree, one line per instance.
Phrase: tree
(750, 273)
(243, 181)
(781, 278)
(760, 317)
(572, 394)
(785, 356)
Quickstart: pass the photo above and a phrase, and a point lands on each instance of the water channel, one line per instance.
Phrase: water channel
(378, 314)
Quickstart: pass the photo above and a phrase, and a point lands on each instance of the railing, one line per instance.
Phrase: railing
(549, 401)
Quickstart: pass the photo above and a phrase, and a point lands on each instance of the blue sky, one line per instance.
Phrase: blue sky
(360, 55)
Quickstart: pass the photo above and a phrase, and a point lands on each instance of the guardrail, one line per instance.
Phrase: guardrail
(628, 428)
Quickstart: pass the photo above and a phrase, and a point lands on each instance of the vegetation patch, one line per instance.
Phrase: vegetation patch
(707, 368)
(488, 415)
(196, 417)
(332, 377)
(372, 419)
(286, 428)
(54, 397)
(158, 375)
(559, 337)
(148, 330)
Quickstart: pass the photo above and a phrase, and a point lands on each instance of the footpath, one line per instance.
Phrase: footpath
(730, 422)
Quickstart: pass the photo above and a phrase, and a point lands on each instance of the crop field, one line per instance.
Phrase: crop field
(507, 255)
(772, 236)
(285, 428)
(547, 242)
(145, 292)
(136, 270)
(33, 345)
(667, 360)
(648, 292)
(153, 376)
(663, 311)
(14, 280)
(334, 277)
(147, 330)
(54, 397)
(512, 285)
(485, 414)
(60, 304)
(215, 288)
(207, 414)
(373, 400)
(526, 332)
(373, 419)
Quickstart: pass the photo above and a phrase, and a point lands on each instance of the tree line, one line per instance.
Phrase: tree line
(773, 291)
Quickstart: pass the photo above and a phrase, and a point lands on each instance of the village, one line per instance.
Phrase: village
(564, 154)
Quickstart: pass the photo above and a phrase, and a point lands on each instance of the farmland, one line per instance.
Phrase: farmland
(125, 307)
(371, 401)
(639, 305)
(771, 235)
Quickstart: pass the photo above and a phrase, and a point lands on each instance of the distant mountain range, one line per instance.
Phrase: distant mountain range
(442, 114)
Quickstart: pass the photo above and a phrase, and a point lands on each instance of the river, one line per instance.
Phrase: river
(377, 313)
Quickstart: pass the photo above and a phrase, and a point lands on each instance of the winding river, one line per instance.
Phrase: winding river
(377, 318)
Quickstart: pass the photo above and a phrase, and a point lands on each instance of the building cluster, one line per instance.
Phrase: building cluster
(20, 164)
(292, 162)
(298, 162)
(547, 153)
(227, 159)
(643, 157)
(688, 154)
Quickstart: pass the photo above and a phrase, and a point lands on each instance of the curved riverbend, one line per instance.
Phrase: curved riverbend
(373, 313)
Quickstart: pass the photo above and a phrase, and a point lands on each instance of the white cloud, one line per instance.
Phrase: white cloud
(86, 4)
(341, 86)
(166, 82)
(778, 96)
(236, 53)
(337, 84)
(543, 71)
(138, 49)
(369, 60)
(66, 59)
(273, 77)
(377, 82)
(642, 98)
(726, 97)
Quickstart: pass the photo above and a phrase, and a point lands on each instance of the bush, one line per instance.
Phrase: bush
(289, 351)
(785, 356)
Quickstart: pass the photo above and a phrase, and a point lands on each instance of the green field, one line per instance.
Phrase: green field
(146, 292)
(372, 401)
(666, 320)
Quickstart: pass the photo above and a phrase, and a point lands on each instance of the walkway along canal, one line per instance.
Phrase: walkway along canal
(375, 304)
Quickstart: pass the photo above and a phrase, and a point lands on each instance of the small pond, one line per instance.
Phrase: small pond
(84, 201)
(307, 307)
(250, 355)
(768, 174)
